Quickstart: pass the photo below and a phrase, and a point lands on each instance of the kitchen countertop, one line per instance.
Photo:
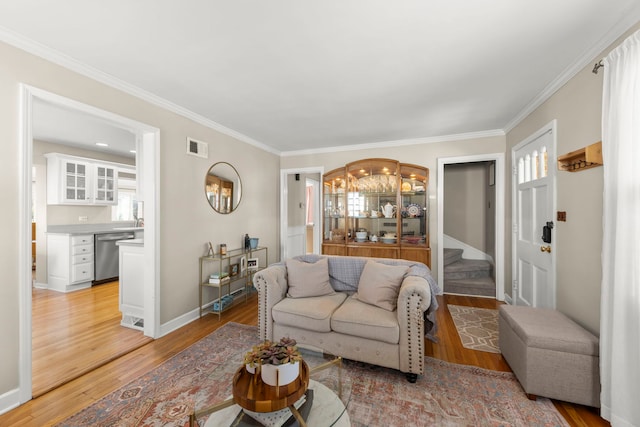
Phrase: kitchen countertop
(130, 242)
(75, 229)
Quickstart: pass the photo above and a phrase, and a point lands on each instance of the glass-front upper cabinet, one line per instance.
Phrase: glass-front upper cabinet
(414, 206)
(372, 201)
(334, 209)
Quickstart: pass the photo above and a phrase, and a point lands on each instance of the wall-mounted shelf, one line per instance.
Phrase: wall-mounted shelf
(584, 158)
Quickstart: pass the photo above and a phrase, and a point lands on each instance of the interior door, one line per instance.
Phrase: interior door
(534, 199)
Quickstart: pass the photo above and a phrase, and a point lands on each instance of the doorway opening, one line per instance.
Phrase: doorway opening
(147, 169)
(300, 211)
(471, 225)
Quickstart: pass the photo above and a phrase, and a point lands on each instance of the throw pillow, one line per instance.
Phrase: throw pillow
(380, 283)
(308, 279)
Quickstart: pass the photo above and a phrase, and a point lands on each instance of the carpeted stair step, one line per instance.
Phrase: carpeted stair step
(452, 255)
(482, 286)
(467, 269)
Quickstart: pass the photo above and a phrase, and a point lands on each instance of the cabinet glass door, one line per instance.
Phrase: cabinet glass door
(75, 182)
(105, 190)
(414, 209)
(334, 209)
(372, 206)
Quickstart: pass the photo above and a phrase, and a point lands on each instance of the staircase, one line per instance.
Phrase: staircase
(467, 276)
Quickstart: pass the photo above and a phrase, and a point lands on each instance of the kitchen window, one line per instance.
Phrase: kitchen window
(126, 209)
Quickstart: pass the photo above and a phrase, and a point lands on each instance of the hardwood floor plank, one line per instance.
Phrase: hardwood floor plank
(73, 333)
(73, 396)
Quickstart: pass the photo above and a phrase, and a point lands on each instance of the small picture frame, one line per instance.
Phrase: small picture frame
(234, 269)
(252, 263)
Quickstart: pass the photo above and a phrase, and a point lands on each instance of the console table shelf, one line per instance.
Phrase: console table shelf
(223, 264)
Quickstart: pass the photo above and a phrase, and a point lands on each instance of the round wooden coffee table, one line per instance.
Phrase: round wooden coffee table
(327, 409)
(251, 393)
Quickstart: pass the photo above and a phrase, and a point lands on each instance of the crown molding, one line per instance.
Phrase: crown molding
(74, 65)
(396, 143)
(626, 22)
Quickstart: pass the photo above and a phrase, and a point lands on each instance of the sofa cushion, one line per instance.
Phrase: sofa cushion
(313, 313)
(308, 279)
(359, 319)
(379, 284)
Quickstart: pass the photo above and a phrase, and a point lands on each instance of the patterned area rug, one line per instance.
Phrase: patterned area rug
(477, 327)
(447, 395)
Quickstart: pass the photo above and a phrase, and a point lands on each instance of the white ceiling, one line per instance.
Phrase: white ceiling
(69, 127)
(300, 75)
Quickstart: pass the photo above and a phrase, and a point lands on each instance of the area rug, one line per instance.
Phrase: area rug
(477, 327)
(446, 395)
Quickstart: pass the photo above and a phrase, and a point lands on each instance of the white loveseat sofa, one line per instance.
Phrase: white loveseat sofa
(371, 310)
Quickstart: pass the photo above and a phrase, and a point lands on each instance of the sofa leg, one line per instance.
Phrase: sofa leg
(412, 378)
(532, 396)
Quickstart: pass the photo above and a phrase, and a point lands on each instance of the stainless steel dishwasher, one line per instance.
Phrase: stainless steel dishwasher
(107, 255)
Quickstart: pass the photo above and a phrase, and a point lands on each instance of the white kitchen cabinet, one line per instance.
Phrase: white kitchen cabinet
(81, 181)
(131, 291)
(70, 261)
(106, 185)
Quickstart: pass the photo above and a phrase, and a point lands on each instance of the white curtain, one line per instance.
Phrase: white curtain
(620, 309)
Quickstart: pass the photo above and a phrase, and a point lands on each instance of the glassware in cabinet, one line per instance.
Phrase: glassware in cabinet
(334, 210)
(414, 204)
(372, 201)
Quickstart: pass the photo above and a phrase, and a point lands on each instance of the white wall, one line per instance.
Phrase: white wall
(578, 108)
(187, 221)
(425, 154)
(465, 202)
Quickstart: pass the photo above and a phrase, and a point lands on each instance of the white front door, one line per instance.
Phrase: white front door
(534, 204)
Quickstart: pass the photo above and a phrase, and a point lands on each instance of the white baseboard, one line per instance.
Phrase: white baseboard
(179, 322)
(189, 317)
(9, 400)
(39, 285)
(507, 299)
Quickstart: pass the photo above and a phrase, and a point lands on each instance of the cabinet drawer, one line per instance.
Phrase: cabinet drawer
(81, 259)
(82, 249)
(82, 240)
(82, 272)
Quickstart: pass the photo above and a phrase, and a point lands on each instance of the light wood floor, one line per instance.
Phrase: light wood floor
(74, 333)
(64, 401)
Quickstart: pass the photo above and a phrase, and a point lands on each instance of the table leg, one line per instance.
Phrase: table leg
(218, 407)
(297, 416)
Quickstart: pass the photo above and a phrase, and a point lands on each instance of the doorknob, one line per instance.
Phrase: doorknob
(545, 249)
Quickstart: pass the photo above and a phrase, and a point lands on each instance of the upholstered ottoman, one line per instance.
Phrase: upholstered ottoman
(551, 355)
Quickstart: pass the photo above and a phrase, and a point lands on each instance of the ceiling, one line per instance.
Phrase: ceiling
(295, 75)
(53, 123)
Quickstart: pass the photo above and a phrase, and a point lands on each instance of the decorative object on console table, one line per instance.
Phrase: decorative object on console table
(247, 242)
(223, 249)
(217, 278)
(252, 264)
(253, 242)
(221, 267)
(210, 252)
(234, 269)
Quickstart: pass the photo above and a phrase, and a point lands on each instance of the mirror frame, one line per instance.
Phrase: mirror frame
(236, 193)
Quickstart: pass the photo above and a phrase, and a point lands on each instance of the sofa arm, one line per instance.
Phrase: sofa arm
(271, 284)
(413, 300)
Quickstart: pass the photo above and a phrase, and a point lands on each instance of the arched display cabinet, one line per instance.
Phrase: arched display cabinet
(377, 208)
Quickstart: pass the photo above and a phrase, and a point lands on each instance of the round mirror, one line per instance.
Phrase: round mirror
(223, 188)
